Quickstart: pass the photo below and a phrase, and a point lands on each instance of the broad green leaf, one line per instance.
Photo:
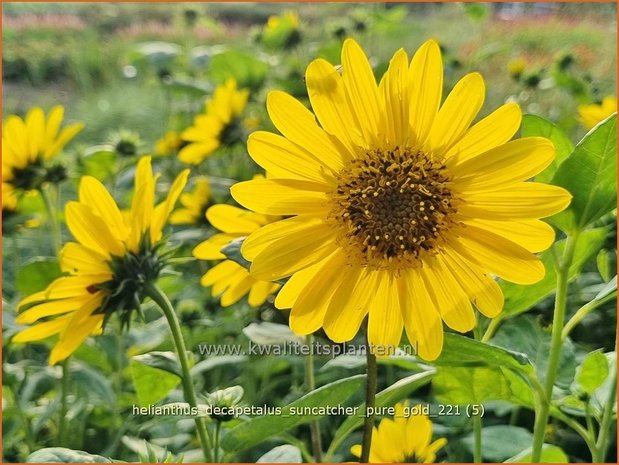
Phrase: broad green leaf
(282, 454)
(261, 428)
(214, 361)
(93, 385)
(36, 275)
(519, 298)
(592, 372)
(151, 384)
(249, 71)
(607, 263)
(590, 174)
(166, 361)
(470, 385)
(550, 454)
(385, 398)
(64, 455)
(267, 333)
(525, 334)
(463, 351)
(500, 442)
(536, 126)
(100, 162)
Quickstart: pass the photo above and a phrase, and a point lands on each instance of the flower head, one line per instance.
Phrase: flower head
(228, 278)
(405, 439)
(168, 144)
(219, 125)
(194, 204)
(107, 268)
(590, 115)
(28, 145)
(516, 67)
(282, 31)
(399, 209)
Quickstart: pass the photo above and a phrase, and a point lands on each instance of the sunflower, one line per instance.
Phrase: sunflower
(194, 204)
(28, 145)
(168, 144)
(405, 439)
(400, 210)
(590, 115)
(106, 269)
(219, 125)
(228, 278)
(282, 31)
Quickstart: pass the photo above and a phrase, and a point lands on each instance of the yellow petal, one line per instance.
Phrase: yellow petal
(54, 120)
(533, 235)
(232, 220)
(195, 152)
(283, 159)
(499, 256)
(495, 129)
(394, 90)
(293, 287)
(327, 95)
(91, 230)
(524, 200)
(260, 291)
(64, 137)
(41, 330)
(361, 89)
(94, 195)
(237, 290)
(50, 308)
(15, 136)
(512, 162)
(282, 196)
(163, 210)
(35, 125)
(422, 321)
(73, 336)
(211, 248)
(426, 89)
(222, 272)
(385, 322)
(456, 115)
(294, 252)
(75, 258)
(298, 125)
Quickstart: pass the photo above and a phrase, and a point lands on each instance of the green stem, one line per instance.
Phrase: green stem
(541, 418)
(216, 448)
(477, 435)
(190, 396)
(64, 392)
(370, 403)
(492, 327)
(310, 384)
(584, 311)
(601, 444)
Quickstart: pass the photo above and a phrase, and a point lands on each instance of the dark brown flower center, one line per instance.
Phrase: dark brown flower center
(393, 207)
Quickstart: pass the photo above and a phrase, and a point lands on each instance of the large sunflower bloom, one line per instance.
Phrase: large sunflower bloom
(27, 144)
(591, 114)
(219, 125)
(400, 209)
(229, 279)
(107, 267)
(405, 439)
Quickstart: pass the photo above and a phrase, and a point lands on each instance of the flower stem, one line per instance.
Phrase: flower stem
(601, 445)
(370, 403)
(584, 311)
(64, 392)
(310, 384)
(216, 448)
(190, 396)
(541, 419)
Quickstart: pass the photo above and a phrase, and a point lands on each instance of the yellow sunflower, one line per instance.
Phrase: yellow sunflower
(405, 439)
(400, 210)
(219, 125)
(168, 144)
(9, 199)
(27, 144)
(106, 269)
(228, 278)
(590, 115)
(194, 204)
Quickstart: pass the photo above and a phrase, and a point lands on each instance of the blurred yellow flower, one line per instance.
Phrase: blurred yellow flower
(194, 204)
(228, 278)
(516, 67)
(168, 144)
(590, 115)
(108, 267)
(219, 125)
(282, 31)
(28, 144)
(288, 18)
(9, 199)
(398, 208)
(405, 439)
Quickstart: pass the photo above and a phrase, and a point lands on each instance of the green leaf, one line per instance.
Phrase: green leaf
(267, 333)
(525, 334)
(261, 428)
(590, 176)
(99, 162)
(249, 71)
(606, 261)
(500, 442)
(519, 298)
(470, 385)
(592, 372)
(536, 126)
(385, 398)
(166, 361)
(64, 455)
(463, 351)
(36, 275)
(151, 384)
(282, 454)
(550, 454)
